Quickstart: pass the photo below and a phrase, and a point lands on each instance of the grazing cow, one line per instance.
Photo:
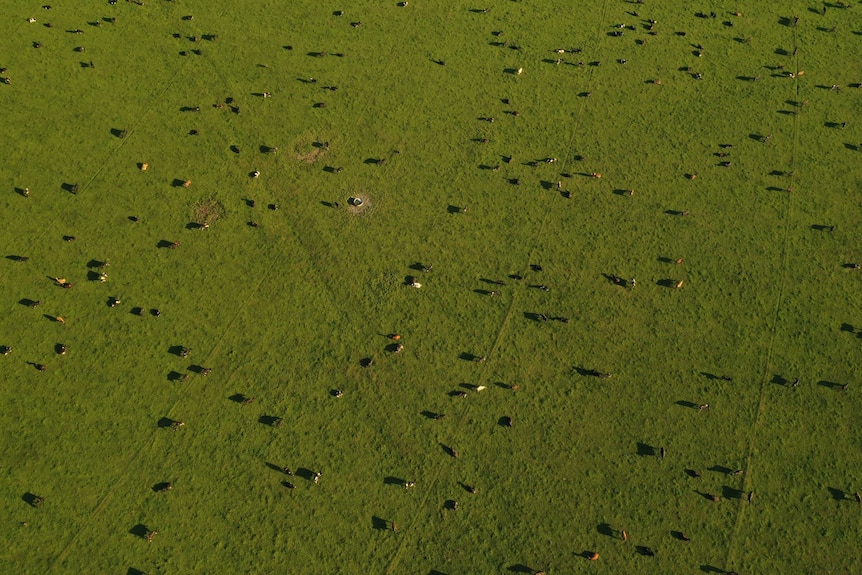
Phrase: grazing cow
(593, 556)
(316, 476)
(174, 245)
(409, 484)
(5, 349)
(150, 535)
(663, 452)
(624, 535)
(34, 304)
(37, 501)
(750, 496)
(164, 487)
(59, 319)
(703, 406)
(175, 425)
(61, 349)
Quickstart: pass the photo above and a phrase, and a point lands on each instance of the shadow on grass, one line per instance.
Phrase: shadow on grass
(379, 523)
(305, 473)
(646, 450)
(161, 487)
(390, 480)
(606, 530)
(688, 404)
(270, 420)
(837, 494)
(520, 568)
(32, 499)
(133, 571)
(139, 530)
(29, 302)
(720, 469)
(711, 569)
(831, 385)
(450, 451)
(731, 493)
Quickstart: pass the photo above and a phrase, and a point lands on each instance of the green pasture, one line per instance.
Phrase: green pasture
(285, 311)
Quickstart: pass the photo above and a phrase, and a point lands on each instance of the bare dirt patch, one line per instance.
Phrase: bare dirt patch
(208, 211)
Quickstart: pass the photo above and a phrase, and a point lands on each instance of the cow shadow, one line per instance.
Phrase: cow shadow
(688, 404)
(645, 450)
(731, 492)
(31, 499)
(606, 530)
(837, 494)
(830, 385)
(140, 530)
(720, 469)
(390, 480)
(379, 523)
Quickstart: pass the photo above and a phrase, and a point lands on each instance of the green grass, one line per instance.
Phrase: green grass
(285, 312)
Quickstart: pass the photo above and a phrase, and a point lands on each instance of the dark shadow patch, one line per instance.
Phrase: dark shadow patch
(275, 467)
(166, 422)
(175, 376)
(71, 188)
(366, 362)
(390, 480)
(668, 283)
(711, 569)
(645, 551)
(520, 568)
(453, 209)
(29, 302)
(720, 469)
(466, 356)
(606, 530)
(779, 380)
(831, 385)
(305, 473)
(850, 146)
(450, 451)
(692, 473)
(32, 499)
(731, 493)
(379, 523)
(140, 530)
(270, 420)
(837, 494)
(822, 228)
(238, 398)
(687, 404)
(119, 132)
(431, 414)
(161, 487)
(645, 450)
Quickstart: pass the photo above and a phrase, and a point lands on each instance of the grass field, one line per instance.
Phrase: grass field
(286, 310)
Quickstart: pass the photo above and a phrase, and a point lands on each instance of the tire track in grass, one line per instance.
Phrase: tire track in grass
(483, 378)
(761, 404)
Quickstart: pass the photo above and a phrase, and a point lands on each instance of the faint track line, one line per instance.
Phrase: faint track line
(503, 324)
(761, 404)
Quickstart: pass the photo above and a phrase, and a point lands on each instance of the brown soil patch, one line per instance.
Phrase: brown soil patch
(207, 211)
